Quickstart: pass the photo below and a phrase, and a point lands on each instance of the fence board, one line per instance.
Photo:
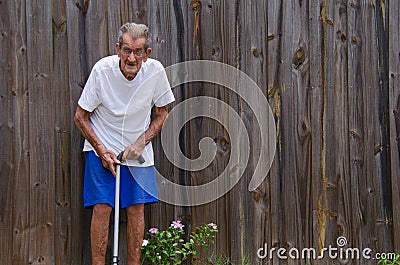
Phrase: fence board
(253, 55)
(222, 47)
(288, 191)
(168, 51)
(340, 122)
(7, 132)
(317, 230)
(328, 180)
(369, 190)
(300, 70)
(59, 82)
(20, 200)
(379, 91)
(41, 133)
(355, 119)
(273, 41)
(200, 36)
(394, 115)
(76, 78)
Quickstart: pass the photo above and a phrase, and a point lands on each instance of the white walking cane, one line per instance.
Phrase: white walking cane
(116, 206)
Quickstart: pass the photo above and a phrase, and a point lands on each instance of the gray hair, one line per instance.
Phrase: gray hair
(136, 31)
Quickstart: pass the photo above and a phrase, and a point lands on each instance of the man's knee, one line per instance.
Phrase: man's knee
(102, 210)
(136, 210)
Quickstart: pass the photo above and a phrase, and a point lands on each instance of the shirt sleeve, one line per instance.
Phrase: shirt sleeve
(163, 93)
(90, 98)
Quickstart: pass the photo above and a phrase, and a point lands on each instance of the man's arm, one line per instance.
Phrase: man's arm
(108, 158)
(134, 150)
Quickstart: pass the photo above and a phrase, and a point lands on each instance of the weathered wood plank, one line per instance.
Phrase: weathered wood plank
(59, 81)
(328, 201)
(168, 51)
(41, 133)
(362, 125)
(340, 122)
(301, 178)
(213, 42)
(355, 120)
(273, 42)
(394, 115)
(381, 134)
(223, 48)
(20, 217)
(317, 222)
(6, 132)
(228, 37)
(76, 76)
(368, 183)
(288, 191)
(253, 205)
(199, 39)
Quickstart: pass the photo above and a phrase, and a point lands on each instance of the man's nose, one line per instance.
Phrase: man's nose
(132, 57)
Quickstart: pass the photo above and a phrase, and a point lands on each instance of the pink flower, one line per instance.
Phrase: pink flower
(214, 226)
(153, 230)
(177, 224)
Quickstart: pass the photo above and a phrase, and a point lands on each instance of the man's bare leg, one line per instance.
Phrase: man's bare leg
(135, 227)
(99, 232)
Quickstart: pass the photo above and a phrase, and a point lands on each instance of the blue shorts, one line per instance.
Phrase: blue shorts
(99, 184)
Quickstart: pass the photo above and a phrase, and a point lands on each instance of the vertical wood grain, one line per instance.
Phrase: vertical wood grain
(59, 82)
(19, 75)
(317, 222)
(41, 133)
(340, 122)
(6, 131)
(76, 77)
(381, 136)
(254, 62)
(394, 115)
(355, 119)
(274, 38)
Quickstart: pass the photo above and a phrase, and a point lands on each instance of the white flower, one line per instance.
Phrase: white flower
(214, 226)
(145, 242)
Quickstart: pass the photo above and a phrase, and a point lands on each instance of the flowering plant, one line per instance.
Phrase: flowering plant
(395, 261)
(168, 246)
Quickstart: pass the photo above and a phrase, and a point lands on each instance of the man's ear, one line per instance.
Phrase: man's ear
(148, 51)
(117, 49)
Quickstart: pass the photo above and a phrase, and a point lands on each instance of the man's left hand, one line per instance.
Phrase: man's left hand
(133, 151)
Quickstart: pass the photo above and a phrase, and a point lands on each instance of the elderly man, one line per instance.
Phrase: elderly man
(113, 114)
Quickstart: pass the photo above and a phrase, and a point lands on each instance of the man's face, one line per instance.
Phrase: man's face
(132, 53)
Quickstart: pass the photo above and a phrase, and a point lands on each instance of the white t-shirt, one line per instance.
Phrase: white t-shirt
(121, 108)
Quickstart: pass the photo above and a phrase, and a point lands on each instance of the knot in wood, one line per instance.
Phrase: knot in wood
(195, 5)
(299, 57)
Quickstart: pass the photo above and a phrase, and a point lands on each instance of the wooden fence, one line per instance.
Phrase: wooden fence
(330, 70)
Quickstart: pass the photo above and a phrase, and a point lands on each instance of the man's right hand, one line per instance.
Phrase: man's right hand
(108, 159)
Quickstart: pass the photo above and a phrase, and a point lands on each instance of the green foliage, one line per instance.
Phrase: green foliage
(395, 261)
(168, 247)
